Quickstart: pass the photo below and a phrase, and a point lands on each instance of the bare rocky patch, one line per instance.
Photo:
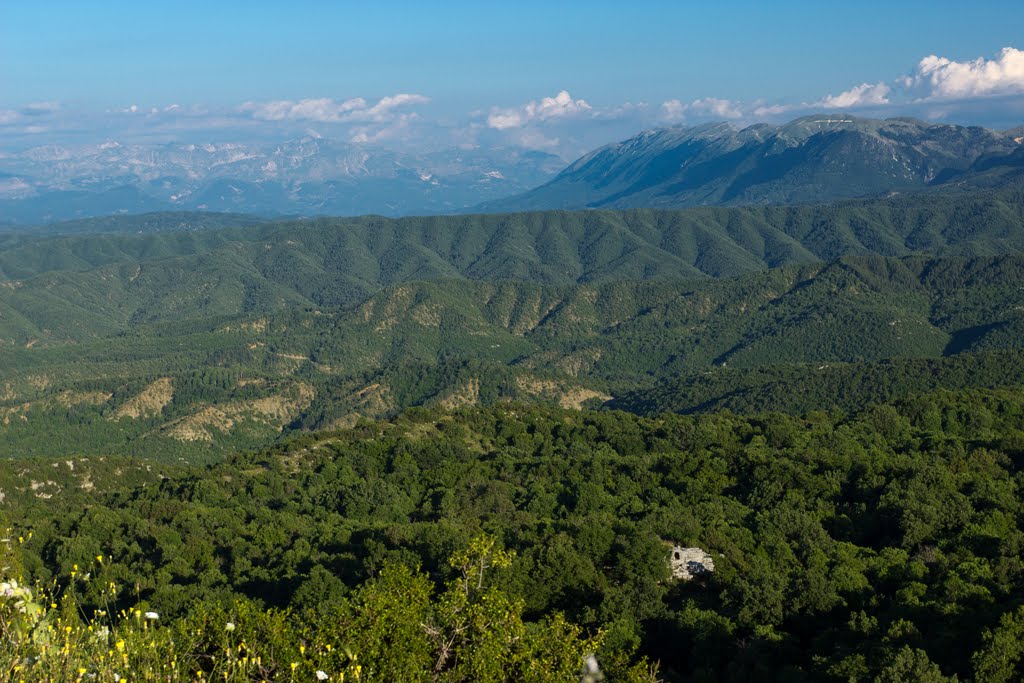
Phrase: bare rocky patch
(151, 402)
(69, 399)
(273, 411)
(568, 396)
(466, 395)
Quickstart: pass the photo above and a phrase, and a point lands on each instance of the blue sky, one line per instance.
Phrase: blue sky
(72, 69)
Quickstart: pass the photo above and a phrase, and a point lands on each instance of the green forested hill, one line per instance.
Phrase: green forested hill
(191, 343)
(856, 330)
(123, 223)
(335, 260)
(327, 432)
(885, 544)
(96, 283)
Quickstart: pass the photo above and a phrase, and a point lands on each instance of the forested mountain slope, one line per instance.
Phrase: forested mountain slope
(356, 441)
(98, 284)
(195, 386)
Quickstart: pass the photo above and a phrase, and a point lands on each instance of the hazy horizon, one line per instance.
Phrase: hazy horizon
(562, 79)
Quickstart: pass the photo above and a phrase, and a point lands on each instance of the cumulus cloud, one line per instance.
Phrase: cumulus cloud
(863, 95)
(725, 109)
(673, 110)
(560, 106)
(942, 78)
(327, 110)
(937, 82)
(988, 91)
(770, 110)
(321, 109)
(704, 108)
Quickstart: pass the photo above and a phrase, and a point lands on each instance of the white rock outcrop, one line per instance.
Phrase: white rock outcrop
(690, 562)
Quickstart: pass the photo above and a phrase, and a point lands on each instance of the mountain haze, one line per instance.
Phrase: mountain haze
(811, 159)
(304, 176)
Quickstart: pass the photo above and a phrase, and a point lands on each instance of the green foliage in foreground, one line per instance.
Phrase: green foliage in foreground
(884, 546)
(395, 627)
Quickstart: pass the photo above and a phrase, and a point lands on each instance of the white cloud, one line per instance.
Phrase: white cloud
(707, 107)
(505, 120)
(865, 94)
(381, 111)
(327, 110)
(942, 78)
(560, 106)
(7, 116)
(762, 110)
(321, 109)
(725, 109)
(935, 81)
(673, 110)
(40, 108)
(398, 129)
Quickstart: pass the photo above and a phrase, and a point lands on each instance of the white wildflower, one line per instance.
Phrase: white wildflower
(230, 626)
(321, 676)
(152, 615)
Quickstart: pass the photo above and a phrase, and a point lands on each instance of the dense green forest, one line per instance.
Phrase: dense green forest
(860, 329)
(465, 448)
(882, 545)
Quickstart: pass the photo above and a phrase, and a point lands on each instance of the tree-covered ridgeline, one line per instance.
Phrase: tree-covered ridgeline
(193, 338)
(881, 545)
(798, 338)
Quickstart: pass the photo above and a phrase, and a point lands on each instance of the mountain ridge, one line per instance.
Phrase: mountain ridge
(810, 159)
(560, 246)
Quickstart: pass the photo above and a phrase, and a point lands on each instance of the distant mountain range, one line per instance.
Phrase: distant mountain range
(811, 159)
(308, 176)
